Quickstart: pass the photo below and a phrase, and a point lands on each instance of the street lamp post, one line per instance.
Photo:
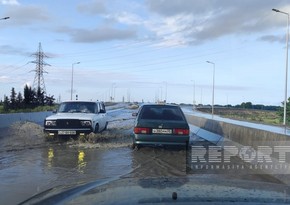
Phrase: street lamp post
(113, 92)
(213, 76)
(72, 79)
(193, 94)
(165, 97)
(286, 75)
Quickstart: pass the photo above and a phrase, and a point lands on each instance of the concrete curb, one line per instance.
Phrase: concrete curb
(37, 117)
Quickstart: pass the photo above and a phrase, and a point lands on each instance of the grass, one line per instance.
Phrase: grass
(259, 116)
(36, 109)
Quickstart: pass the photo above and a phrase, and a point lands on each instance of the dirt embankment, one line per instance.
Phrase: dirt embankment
(21, 135)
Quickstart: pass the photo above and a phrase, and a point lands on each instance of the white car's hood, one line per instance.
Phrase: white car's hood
(77, 116)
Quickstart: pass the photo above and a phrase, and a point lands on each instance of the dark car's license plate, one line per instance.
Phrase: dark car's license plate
(161, 131)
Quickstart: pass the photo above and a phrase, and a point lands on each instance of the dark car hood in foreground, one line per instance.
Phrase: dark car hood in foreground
(197, 189)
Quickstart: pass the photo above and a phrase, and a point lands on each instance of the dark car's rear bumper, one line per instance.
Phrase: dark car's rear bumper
(147, 139)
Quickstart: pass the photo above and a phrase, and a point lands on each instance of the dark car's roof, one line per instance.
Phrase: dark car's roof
(157, 105)
(80, 101)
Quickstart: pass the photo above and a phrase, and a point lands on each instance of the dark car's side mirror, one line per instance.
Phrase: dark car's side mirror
(102, 111)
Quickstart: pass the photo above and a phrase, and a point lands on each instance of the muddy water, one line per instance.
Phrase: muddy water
(30, 165)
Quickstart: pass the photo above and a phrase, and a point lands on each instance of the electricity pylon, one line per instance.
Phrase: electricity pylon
(38, 83)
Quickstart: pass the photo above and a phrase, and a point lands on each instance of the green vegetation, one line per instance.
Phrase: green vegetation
(259, 116)
(36, 109)
(33, 101)
(247, 111)
(281, 112)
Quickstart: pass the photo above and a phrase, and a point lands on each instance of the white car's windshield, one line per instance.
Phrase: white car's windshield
(84, 107)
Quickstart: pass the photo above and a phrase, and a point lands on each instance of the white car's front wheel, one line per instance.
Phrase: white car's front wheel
(96, 128)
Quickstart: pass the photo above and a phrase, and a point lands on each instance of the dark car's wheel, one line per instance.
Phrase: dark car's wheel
(135, 146)
(96, 128)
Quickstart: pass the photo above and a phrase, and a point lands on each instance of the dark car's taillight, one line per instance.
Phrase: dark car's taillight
(179, 131)
(141, 130)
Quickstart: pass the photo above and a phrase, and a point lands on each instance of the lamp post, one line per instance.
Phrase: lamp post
(213, 76)
(165, 97)
(286, 75)
(113, 92)
(72, 79)
(193, 94)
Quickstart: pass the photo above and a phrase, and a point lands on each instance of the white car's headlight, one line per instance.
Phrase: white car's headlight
(50, 123)
(86, 123)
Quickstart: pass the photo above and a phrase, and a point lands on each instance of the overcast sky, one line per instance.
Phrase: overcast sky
(147, 49)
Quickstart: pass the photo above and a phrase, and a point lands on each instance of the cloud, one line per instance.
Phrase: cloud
(25, 15)
(11, 50)
(4, 79)
(125, 18)
(171, 8)
(92, 8)
(9, 2)
(99, 34)
(208, 20)
(272, 39)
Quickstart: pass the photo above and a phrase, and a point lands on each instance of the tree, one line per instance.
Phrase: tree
(30, 99)
(281, 111)
(49, 100)
(40, 98)
(29, 96)
(13, 99)
(247, 105)
(19, 100)
(6, 103)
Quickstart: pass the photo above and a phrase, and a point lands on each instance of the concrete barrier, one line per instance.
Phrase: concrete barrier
(37, 117)
(237, 133)
(220, 132)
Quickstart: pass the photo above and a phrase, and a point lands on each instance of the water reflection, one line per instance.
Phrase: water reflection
(50, 157)
(66, 158)
(66, 162)
(81, 161)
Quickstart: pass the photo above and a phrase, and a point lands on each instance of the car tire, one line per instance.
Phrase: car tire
(96, 128)
(106, 127)
(135, 146)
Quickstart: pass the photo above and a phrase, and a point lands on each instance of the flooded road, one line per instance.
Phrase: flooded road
(29, 165)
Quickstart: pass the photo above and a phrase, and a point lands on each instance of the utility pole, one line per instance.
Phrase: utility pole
(38, 83)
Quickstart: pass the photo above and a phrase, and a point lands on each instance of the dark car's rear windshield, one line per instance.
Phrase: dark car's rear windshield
(161, 113)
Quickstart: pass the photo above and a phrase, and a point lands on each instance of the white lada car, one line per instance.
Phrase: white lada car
(76, 118)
